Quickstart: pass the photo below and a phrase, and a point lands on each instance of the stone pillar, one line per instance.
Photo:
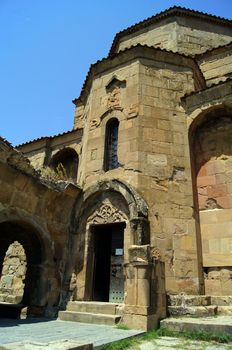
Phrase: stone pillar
(138, 287)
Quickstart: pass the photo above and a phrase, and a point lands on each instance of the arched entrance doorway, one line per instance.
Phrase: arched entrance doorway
(211, 149)
(111, 219)
(21, 259)
(107, 242)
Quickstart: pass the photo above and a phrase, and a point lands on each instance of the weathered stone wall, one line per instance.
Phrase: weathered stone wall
(179, 34)
(209, 124)
(119, 102)
(153, 155)
(216, 66)
(41, 152)
(30, 212)
(13, 274)
(218, 280)
(165, 173)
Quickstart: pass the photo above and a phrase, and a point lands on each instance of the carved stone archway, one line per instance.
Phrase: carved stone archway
(109, 202)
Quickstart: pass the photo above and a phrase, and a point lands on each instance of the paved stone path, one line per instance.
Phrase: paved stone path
(44, 331)
(56, 334)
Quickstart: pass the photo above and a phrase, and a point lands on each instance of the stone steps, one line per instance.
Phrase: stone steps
(87, 317)
(221, 300)
(215, 325)
(224, 310)
(93, 307)
(92, 312)
(197, 311)
(199, 305)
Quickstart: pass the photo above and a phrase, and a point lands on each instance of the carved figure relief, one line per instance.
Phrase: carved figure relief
(114, 98)
(133, 111)
(107, 214)
(113, 89)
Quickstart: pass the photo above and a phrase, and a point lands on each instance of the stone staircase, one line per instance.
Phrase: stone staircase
(92, 312)
(199, 312)
(199, 305)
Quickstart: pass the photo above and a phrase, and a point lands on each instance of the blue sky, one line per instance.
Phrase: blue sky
(47, 47)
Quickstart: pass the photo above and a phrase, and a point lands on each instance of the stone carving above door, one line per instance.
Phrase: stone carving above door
(107, 214)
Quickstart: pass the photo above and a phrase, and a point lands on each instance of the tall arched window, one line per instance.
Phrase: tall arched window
(111, 145)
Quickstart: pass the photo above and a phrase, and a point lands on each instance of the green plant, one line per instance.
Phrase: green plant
(131, 342)
(61, 171)
(122, 326)
(54, 174)
(121, 344)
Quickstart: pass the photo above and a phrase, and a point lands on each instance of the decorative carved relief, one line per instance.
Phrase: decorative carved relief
(94, 123)
(114, 98)
(156, 254)
(113, 89)
(107, 214)
(132, 112)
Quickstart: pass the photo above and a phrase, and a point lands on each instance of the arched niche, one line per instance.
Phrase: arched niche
(65, 164)
(38, 259)
(210, 137)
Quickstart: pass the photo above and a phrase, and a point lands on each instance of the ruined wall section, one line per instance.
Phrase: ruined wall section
(35, 152)
(216, 66)
(41, 152)
(23, 198)
(164, 178)
(179, 34)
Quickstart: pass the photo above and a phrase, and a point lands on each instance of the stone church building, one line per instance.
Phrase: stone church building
(104, 223)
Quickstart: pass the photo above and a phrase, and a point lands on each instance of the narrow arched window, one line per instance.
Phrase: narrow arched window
(111, 145)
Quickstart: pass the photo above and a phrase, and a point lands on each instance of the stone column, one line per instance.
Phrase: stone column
(138, 287)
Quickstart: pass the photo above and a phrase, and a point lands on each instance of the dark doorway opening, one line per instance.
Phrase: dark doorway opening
(108, 281)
